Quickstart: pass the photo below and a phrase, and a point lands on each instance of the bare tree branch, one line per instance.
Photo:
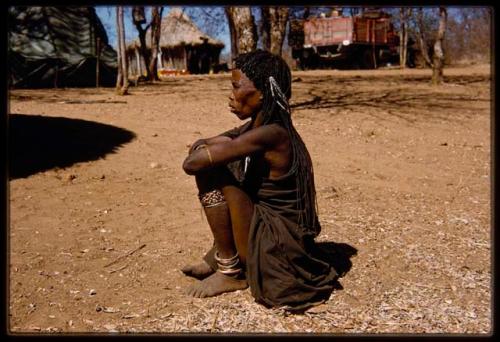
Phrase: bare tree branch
(421, 38)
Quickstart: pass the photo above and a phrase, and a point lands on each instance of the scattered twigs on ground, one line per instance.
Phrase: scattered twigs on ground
(118, 269)
(125, 255)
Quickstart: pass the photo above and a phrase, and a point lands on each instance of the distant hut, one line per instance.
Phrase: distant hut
(58, 46)
(183, 47)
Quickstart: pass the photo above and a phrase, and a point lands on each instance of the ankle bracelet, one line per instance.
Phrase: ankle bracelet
(228, 266)
(226, 261)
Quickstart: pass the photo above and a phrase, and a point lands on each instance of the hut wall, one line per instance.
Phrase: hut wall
(131, 67)
(174, 57)
(201, 58)
(132, 55)
(180, 57)
(136, 58)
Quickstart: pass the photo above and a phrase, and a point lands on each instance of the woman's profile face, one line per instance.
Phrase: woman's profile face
(245, 100)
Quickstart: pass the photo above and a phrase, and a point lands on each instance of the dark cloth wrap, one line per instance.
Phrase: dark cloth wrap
(282, 267)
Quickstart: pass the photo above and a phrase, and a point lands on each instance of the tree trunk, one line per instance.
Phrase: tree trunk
(121, 79)
(123, 53)
(245, 30)
(274, 23)
(421, 39)
(232, 33)
(118, 54)
(265, 27)
(307, 12)
(156, 13)
(404, 14)
(405, 37)
(139, 19)
(438, 65)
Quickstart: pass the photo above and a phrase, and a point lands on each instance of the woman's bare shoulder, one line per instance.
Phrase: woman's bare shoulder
(271, 134)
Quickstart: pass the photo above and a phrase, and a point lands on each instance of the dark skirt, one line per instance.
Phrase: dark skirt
(283, 269)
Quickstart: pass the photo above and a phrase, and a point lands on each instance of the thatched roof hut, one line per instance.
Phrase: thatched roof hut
(183, 47)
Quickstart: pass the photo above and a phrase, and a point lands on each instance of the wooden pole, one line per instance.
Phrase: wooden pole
(374, 55)
(138, 62)
(123, 57)
(185, 58)
(119, 76)
(98, 53)
(56, 74)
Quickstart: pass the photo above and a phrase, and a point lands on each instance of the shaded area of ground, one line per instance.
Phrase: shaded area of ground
(337, 254)
(403, 102)
(39, 143)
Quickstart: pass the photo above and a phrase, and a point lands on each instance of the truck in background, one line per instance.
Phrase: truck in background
(365, 41)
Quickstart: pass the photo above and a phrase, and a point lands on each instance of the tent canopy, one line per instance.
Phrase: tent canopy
(58, 46)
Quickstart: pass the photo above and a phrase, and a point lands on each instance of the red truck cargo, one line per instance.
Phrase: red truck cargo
(363, 41)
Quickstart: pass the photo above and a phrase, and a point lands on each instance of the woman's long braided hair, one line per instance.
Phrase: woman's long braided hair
(271, 75)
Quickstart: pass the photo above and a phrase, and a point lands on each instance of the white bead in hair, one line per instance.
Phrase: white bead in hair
(276, 88)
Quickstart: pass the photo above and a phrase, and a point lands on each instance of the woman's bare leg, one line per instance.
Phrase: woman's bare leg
(241, 212)
(229, 222)
(218, 219)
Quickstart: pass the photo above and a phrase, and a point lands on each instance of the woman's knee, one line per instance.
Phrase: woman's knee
(214, 179)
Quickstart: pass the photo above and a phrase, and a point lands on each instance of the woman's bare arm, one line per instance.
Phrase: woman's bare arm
(223, 137)
(208, 141)
(259, 139)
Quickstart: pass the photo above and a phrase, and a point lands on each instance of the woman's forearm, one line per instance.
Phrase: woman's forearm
(197, 160)
(217, 139)
(208, 141)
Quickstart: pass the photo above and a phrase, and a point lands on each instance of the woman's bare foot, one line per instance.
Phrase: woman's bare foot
(216, 284)
(198, 271)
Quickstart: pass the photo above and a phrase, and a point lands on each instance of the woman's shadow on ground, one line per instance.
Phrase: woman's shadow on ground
(337, 255)
(39, 143)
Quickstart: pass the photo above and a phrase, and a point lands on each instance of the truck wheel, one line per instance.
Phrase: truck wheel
(314, 62)
(367, 59)
(302, 63)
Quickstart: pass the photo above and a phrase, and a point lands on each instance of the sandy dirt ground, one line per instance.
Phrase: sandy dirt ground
(102, 216)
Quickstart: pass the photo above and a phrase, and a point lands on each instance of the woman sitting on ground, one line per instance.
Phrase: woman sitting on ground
(256, 185)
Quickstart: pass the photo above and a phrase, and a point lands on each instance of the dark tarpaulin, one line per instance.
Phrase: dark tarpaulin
(58, 46)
